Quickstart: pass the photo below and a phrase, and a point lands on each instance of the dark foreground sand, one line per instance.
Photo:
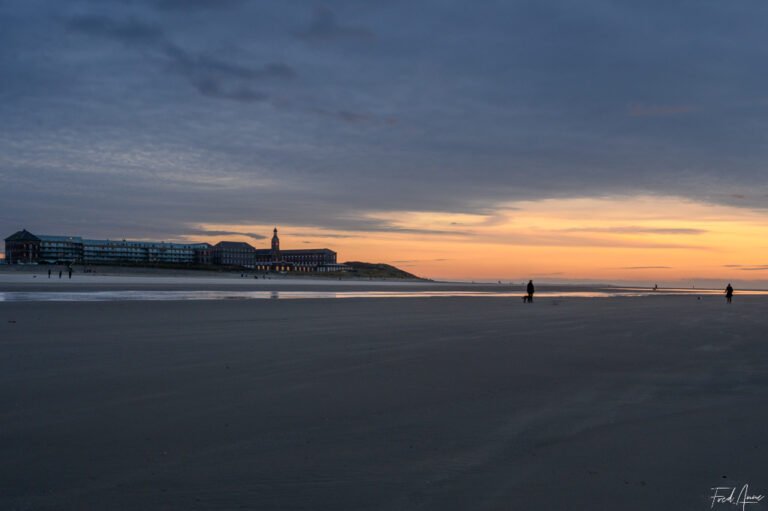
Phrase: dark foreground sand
(383, 404)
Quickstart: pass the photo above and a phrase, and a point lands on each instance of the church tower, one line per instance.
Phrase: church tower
(275, 246)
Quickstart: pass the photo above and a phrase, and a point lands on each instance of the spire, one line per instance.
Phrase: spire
(275, 243)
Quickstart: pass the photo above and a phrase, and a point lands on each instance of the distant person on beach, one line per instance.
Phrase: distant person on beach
(70, 273)
(655, 287)
(729, 293)
(530, 290)
(49, 273)
(59, 273)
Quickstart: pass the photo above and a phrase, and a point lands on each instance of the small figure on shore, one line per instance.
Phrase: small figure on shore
(530, 290)
(655, 287)
(70, 273)
(59, 273)
(729, 293)
(49, 273)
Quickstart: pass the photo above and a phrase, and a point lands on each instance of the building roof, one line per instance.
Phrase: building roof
(303, 251)
(234, 245)
(22, 235)
(139, 244)
(71, 239)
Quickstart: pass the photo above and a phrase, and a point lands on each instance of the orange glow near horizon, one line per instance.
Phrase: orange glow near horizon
(613, 239)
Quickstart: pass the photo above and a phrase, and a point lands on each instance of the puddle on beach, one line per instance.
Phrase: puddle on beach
(111, 296)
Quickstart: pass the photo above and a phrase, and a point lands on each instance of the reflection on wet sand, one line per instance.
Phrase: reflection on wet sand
(106, 296)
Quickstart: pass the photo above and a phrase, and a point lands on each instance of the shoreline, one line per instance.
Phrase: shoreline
(553, 297)
(35, 278)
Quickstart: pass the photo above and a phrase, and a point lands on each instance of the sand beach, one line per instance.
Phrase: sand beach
(438, 403)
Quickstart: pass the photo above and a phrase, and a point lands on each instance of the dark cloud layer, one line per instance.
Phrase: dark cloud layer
(144, 117)
(212, 76)
(186, 5)
(325, 27)
(128, 30)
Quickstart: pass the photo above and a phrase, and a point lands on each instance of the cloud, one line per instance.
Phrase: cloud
(217, 78)
(197, 64)
(212, 76)
(322, 235)
(352, 117)
(645, 268)
(387, 227)
(176, 5)
(203, 232)
(747, 267)
(324, 27)
(633, 229)
(129, 30)
(215, 89)
(185, 5)
(640, 110)
(546, 240)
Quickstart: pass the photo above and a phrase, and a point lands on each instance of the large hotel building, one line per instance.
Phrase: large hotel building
(23, 247)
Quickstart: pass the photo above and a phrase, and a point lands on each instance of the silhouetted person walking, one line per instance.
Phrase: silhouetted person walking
(49, 273)
(530, 289)
(70, 273)
(59, 273)
(729, 293)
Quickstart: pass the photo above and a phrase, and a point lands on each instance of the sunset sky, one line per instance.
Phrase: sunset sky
(563, 140)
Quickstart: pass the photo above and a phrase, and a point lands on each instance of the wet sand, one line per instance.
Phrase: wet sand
(117, 279)
(35, 279)
(395, 404)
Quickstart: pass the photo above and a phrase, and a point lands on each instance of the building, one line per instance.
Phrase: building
(23, 247)
(115, 252)
(301, 260)
(27, 248)
(55, 249)
(203, 253)
(233, 253)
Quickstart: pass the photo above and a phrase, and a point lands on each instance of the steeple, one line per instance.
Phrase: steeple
(275, 244)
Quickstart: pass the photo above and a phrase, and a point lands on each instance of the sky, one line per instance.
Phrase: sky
(572, 140)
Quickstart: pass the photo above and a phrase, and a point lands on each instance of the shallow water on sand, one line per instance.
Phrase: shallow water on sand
(108, 296)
